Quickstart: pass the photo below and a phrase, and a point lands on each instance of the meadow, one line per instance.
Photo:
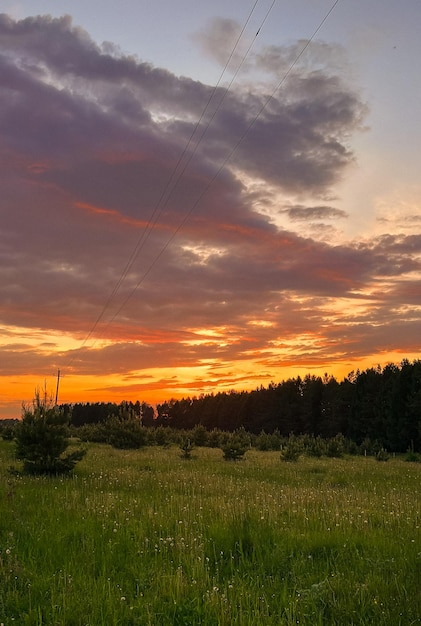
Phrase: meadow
(147, 538)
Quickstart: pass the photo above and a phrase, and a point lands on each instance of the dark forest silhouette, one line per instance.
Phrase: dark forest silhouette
(378, 404)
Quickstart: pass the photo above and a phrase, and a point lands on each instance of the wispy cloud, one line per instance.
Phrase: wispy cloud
(313, 213)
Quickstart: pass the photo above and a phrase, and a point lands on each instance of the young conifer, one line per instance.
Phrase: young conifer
(42, 438)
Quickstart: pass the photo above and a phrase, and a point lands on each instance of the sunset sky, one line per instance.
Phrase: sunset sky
(194, 198)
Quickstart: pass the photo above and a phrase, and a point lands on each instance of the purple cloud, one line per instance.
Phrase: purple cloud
(96, 188)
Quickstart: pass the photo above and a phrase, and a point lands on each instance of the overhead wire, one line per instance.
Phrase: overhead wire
(170, 185)
(227, 158)
(221, 166)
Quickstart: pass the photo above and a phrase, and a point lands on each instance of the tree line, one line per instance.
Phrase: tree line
(376, 411)
(382, 404)
(377, 404)
(81, 413)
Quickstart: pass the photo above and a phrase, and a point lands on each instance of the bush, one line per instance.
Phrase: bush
(293, 449)
(336, 446)
(199, 435)
(243, 437)
(160, 436)
(291, 453)
(316, 447)
(95, 433)
(42, 438)
(370, 448)
(7, 432)
(263, 442)
(382, 455)
(126, 434)
(215, 437)
(186, 447)
(413, 457)
(234, 449)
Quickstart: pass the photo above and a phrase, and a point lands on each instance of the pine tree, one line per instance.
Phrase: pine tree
(42, 438)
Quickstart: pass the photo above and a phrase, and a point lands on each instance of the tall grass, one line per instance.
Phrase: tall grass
(147, 538)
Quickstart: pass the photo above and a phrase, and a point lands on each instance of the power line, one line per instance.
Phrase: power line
(170, 185)
(228, 158)
(168, 189)
(217, 173)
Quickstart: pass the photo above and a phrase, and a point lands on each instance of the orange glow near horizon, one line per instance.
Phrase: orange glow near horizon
(158, 385)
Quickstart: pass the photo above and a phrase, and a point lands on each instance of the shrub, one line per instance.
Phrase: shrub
(199, 435)
(371, 448)
(126, 434)
(336, 446)
(382, 455)
(234, 449)
(243, 437)
(215, 437)
(276, 440)
(413, 457)
(264, 442)
(42, 438)
(7, 432)
(291, 453)
(316, 447)
(186, 447)
(161, 436)
(292, 450)
(96, 433)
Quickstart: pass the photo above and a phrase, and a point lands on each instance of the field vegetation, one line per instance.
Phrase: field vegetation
(153, 536)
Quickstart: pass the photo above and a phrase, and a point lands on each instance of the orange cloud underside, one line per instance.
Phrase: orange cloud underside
(111, 214)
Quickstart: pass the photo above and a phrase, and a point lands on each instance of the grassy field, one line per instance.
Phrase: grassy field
(147, 538)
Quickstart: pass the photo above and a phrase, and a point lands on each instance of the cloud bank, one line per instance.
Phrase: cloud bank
(150, 234)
